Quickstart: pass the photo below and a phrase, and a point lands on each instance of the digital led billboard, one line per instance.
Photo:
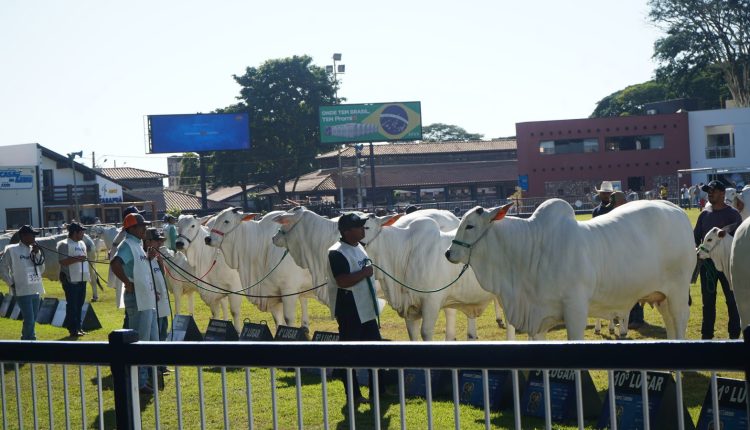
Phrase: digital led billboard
(371, 122)
(198, 132)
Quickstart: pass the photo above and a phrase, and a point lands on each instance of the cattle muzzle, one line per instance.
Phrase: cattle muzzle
(207, 240)
(179, 244)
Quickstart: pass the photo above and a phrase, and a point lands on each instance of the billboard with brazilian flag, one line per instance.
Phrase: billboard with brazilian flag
(371, 122)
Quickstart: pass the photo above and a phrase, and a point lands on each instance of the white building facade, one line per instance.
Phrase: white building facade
(37, 187)
(720, 144)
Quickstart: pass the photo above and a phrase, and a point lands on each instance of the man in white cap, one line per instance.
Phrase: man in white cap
(604, 194)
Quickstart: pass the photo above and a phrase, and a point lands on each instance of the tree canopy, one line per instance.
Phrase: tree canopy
(705, 33)
(282, 98)
(439, 132)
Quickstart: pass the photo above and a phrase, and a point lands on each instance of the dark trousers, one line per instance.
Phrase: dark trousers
(75, 296)
(708, 292)
(352, 329)
(636, 314)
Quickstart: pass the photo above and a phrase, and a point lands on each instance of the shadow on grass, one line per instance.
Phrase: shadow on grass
(108, 382)
(110, 420)
(364, 414)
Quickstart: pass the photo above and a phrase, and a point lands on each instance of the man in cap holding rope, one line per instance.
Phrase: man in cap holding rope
(74, 271)
(354, 302)
(24, 276)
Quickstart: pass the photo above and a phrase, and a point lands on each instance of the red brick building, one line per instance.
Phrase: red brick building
(571, 157)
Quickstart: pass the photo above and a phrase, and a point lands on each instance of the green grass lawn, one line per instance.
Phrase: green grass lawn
(695, 384)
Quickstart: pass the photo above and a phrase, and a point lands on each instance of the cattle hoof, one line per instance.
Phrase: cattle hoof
(597, 332)
(500, 323)
(470, 337)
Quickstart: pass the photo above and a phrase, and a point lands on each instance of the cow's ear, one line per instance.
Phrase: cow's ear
(499, 213)
(249, 217)
(722, 233)
(392, 220)
(204, 220)
(282, 219)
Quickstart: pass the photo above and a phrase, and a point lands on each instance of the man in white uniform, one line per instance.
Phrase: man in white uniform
(354, 302)
(74, 271)
(24, 275)
(131, 265)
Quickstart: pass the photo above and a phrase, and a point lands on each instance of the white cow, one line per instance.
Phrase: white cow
(741, 202)
(107, 233)
(411, 251)
(552, 269)
(248, 248)
(739, 269)
(210, 266)
(178, 282)
(307, 236)
(717, 245)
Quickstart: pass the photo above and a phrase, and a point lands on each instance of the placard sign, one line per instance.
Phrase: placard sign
(415, 383)
(325, 336)
(7, 306)
(562, 395)
(500, 383)
(287, 333)
(732, 406)
(59, 319)
(15, 313)
(256, 332)
(184, 329)
(16, 179)
(89, 320)
(629, 402)
(47, 310)
(220, 331)
(371, 122)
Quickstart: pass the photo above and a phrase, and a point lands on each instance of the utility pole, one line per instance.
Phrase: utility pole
(358, 154)
(72, 156)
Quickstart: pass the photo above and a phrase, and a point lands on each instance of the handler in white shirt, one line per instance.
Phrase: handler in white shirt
(24, 275)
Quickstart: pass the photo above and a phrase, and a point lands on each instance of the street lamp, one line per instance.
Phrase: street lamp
(72, 156)
(336, 70)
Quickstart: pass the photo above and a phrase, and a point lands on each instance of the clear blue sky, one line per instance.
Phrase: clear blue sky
(81, 75)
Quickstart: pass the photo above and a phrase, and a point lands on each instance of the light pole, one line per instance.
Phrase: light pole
(335, 70)
(72, 156)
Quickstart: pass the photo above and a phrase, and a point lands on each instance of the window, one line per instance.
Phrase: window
(568, 146)
(720, 141)
(634, 143)
(16, 218)
(48, 179)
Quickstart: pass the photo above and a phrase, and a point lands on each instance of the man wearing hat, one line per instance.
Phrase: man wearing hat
(24, 275)
(154, 240)
(74, 271)
(170, 231)
(354, 302)
(112, 280)
(720, 215)
(131, 266)
(604, 194)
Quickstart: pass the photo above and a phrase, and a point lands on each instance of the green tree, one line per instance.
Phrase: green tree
(630, 100)
(439, 132)
(189, 173)
(282, 97)
(701, 33)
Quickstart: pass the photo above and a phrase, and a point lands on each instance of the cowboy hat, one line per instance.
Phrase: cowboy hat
(606, 187)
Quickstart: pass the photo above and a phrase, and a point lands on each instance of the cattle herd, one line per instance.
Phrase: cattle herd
(546, 270)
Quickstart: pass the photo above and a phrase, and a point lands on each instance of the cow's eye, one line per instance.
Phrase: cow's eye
(469, 227)
(709, 240)
(226, 221)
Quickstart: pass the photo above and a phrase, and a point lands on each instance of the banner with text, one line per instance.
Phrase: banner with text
(371, 122)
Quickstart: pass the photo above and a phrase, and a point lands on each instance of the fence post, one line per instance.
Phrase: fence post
(746, 336)
(122, 377)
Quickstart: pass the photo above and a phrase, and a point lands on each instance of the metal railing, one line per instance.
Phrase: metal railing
(86, 194)
(123, 353)
(720, 152)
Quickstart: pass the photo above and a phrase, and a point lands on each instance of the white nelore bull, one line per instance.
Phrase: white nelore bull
(411, 250)
(176, 271)
(717, 245)
(741, 202)
(552, 269)
(209, 265)
(247, 246)
(739, 269)
(307, 236)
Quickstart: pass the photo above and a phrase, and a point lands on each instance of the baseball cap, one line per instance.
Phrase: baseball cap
(350, 220)
(155, 234)
(714, 185)
(27, 229)
(131, 210)
(133, 220)
(74, 227)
